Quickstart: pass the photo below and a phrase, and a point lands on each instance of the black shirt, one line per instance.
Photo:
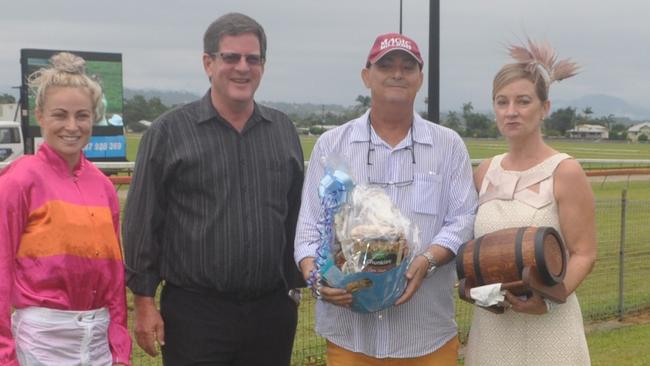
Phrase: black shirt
(210, 208)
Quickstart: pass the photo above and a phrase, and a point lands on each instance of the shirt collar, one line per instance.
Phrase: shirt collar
(421, 134)
(207, 111)
(52, 158)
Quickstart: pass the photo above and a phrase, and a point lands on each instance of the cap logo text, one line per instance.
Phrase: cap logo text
(395, 42)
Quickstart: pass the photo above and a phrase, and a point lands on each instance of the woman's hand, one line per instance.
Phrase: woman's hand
(533, 305)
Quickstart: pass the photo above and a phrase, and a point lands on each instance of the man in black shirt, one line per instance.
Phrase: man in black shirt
(211, 211)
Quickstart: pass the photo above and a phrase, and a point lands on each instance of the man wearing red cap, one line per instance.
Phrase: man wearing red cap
(425, 170)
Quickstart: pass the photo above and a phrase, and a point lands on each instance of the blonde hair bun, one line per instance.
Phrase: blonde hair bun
(67, 62)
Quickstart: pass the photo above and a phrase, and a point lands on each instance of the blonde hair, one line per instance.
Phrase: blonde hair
(66, 70)
(513, 72)
(536, 62)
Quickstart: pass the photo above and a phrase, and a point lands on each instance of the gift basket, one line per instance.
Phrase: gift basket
(366, 244)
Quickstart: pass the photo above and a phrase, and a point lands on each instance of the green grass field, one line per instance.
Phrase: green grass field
(480, 148)
(626, 346)
(484, 148)
(599, 294)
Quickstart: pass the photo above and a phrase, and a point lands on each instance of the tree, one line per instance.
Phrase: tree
(643, 138)
(155, 108)
(467, 108)
(364, 100)
(7, 99)
(135, 109)
(618, 131)
(561, 120)
(453, 121)
(314, 130)
(363, 103)
(138, 108)
(477, 124)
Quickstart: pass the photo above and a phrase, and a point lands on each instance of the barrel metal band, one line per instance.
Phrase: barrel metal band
(540, 258)
(460, 265)
(519, 244)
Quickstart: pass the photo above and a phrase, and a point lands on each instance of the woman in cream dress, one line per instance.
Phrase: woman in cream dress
(533, 185)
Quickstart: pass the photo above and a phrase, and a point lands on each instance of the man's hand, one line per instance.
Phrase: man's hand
(415, 275)
(336, 296)
(149, 326)
(306, 266)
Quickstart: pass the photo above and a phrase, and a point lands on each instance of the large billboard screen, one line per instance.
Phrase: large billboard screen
(107, 142)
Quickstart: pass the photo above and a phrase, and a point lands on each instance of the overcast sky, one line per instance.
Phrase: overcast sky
(317, 48)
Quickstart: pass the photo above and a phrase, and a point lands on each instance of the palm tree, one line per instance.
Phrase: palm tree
(363, 102)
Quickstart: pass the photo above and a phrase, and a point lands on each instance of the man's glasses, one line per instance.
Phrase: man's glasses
(232, 58)
(369, 162)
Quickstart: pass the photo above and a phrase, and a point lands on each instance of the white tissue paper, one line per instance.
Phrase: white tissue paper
(487, 295)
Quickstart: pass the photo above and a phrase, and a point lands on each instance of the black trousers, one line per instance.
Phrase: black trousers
(208, 329)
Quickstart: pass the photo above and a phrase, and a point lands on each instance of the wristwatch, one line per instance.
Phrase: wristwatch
(432, 262)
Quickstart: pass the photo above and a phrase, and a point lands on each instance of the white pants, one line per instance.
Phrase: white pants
(48, 337)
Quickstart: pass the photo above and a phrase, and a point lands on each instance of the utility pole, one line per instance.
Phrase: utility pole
(400, 16)
(433, 105)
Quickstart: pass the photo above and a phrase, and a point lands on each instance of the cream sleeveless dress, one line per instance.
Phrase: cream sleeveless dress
(556, 338)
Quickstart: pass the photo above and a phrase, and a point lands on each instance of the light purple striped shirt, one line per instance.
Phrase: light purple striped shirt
(441, 201)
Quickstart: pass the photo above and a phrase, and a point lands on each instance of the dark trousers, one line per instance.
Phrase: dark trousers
(208, 329)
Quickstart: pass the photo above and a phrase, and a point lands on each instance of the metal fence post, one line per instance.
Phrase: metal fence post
(621, 257)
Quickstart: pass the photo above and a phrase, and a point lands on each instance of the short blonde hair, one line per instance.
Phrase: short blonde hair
(513, 72)
(66, 70)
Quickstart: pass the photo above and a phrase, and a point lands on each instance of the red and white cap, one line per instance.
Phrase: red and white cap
(389, 42)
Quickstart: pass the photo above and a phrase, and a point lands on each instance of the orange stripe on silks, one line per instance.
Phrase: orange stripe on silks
(61, 228)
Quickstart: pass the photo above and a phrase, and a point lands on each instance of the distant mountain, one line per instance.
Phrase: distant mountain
(305, 109)
(604, 105)
(601, 105)
(168, 98)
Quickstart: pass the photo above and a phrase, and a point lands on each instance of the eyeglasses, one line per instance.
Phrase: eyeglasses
(233, 58)
(369, 162)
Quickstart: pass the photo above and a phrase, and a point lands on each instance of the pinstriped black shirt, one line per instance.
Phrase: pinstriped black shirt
(210, 208)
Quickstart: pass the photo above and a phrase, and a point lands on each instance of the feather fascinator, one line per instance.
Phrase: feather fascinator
(541, 58)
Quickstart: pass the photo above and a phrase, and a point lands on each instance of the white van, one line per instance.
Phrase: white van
(11, 141)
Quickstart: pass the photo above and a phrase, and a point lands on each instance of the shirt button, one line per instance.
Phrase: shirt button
(380, 316)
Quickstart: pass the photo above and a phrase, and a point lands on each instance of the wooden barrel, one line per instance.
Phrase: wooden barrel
(501, 256)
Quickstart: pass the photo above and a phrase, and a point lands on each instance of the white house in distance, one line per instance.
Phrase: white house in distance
(635, 131)
(585, 131)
